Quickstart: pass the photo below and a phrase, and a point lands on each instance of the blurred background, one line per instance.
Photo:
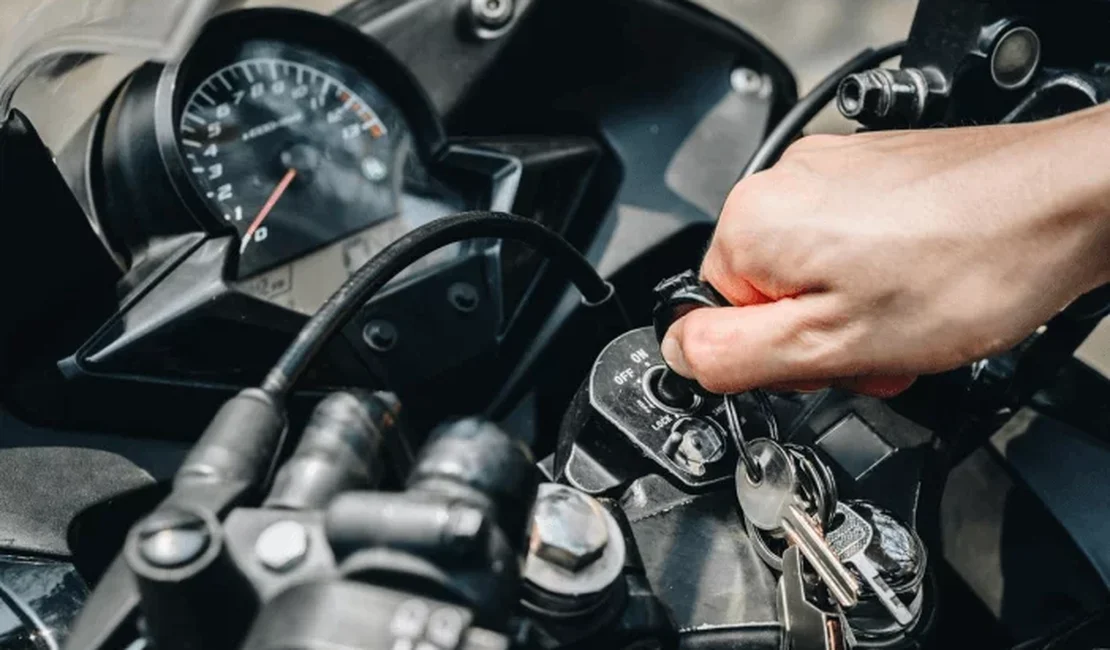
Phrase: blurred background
(815, 36)
(812, 35)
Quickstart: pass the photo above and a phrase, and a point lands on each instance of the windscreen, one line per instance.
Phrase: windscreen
(61, 58)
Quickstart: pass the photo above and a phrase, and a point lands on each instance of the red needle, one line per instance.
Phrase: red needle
(269, 205)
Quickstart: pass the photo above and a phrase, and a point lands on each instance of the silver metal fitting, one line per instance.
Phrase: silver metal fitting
(491, 18)
(282, 545)
(1015, 57)
(576, 552)
(746, 81)
(569, 529)
(881, 95)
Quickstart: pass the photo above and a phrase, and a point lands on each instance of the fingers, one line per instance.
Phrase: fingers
(774, 345)
(734, 349)
(729, 284)
(880, 386)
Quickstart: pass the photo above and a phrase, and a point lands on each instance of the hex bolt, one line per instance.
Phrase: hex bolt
(463, 297)
(282, 545)
(881, 95)
(172, 538)
(569, 529)
(861, 94)
(380, 335)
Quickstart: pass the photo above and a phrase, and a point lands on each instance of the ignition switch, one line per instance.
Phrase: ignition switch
(677, 296)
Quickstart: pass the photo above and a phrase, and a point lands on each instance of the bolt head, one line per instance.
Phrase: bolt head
(492, 14)
(282, 545)
(569, 529)
(862, 94)
(747, 81)
(380, 335)
(463, 297)
(172, 538)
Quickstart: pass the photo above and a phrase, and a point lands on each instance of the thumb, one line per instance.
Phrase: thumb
(734, 349)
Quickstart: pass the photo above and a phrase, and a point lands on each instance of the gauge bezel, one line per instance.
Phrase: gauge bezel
(327, 38)
(146, 194)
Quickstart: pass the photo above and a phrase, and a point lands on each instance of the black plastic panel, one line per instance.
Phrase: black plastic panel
(700, 453)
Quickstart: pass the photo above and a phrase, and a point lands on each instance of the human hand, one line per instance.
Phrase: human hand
(865, 260)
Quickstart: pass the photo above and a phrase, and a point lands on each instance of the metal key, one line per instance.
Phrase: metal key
(806, 626)
(849, 541)
(772, 503)
(818, 486)
(802, 532)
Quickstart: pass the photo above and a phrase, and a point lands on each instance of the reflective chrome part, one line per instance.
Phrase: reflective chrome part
(765, 502)
(805, 625)
(1015, 58)
(804, 534)
(576, 553)
(490, 19)
(172, 538)
(890, 559)
(282, 545)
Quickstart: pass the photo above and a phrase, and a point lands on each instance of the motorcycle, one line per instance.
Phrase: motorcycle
(340, 330)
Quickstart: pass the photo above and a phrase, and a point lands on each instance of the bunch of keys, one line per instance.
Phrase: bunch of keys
(770, 495)
(787, 492)
(779, 486)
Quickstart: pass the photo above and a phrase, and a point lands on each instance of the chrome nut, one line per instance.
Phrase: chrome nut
(569, 529)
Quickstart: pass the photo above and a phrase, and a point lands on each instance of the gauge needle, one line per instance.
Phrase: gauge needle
(267, 207)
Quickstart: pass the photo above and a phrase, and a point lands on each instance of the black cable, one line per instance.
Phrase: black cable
(747, 461)
(809, 106)
(767, 411)
(391, 260)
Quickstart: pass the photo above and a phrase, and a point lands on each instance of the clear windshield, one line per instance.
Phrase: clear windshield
(60, 58)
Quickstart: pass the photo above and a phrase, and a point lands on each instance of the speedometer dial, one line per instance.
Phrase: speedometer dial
(291, 150)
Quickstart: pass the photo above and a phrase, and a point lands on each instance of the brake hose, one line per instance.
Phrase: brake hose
(396, 257)
(809, 106)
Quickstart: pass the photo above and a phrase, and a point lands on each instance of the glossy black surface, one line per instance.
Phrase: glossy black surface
(38, 601)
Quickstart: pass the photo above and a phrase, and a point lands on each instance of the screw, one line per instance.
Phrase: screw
(172, 538)
(282, 545)
(492, 14)
(746, 81)
(380, 335)
(463, 297)
(569, 528)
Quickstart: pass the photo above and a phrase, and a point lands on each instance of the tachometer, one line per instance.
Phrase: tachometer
(293, 150)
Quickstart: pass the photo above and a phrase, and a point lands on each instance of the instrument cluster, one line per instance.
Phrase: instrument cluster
(287, 131)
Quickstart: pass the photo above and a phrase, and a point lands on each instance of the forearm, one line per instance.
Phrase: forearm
(1068, 161)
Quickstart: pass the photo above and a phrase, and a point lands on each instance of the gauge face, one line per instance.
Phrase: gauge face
(293, 150)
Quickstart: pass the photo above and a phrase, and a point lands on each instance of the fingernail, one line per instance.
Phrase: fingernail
(672, 354)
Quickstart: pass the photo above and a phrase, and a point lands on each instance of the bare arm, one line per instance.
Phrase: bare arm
(866, 260)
